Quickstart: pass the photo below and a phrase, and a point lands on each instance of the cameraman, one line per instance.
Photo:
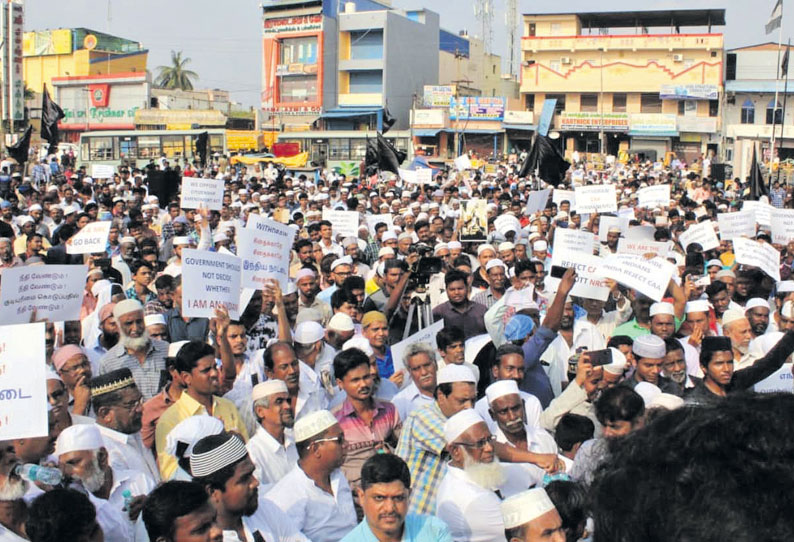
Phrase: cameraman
(393, 271)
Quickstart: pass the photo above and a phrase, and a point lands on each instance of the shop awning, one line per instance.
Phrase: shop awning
(522, 127)
(482, 131)
(427, 132)
(346, 113)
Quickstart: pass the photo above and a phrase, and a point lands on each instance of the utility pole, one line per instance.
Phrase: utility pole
(511, 21)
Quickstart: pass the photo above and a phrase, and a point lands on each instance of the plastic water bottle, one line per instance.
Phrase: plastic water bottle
(36, 473)
(127, 495)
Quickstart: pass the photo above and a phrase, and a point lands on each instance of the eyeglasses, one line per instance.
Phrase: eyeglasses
(480, 444)
(82, 365)
(131, 405)
(338, 439)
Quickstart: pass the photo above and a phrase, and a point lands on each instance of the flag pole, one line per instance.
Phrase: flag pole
(777, 81)
(783, 120)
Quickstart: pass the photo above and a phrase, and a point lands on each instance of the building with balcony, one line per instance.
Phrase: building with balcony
(627, 81)
(752, 75)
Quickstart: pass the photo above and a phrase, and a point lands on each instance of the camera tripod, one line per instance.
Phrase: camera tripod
(419, 309)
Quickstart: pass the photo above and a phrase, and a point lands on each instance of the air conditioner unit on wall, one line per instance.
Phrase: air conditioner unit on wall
(678, 58)
(565, 60)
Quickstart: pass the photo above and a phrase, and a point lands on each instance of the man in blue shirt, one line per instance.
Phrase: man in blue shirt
(383, 495)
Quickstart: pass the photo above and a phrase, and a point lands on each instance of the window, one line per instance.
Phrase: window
(618, 103)
(681, 107)
(532, 29)
(358, 149)
(101, 148)
(714, 108)
(129, 146)
(339, 149)
(730, 66)
(529, 102)
(366, 82)
(299, 50)
(297, 89)
(148, 146)
(366, 44)
(748, 112)
(771, 111)
(560, 107)
(173, 146)
(650, 103)
(216, 143)
(588, 103)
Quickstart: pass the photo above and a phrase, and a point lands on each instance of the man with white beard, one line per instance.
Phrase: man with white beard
(470, 494)
(136, 351)
(13, 510)
(82, 457)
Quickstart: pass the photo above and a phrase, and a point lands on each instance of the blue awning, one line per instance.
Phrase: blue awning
(346, 113)
(427, 132)
(482, 131)
(524, 127)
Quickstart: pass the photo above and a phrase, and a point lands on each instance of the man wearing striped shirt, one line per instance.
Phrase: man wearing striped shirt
(422, 441)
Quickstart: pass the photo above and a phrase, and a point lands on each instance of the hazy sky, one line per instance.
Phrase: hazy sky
(223, 39)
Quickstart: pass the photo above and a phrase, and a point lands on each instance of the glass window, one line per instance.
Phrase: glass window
(748, 112)
(358, 149)
(714, 108)
(101, 148)
(529, 102)
(560, 107)
(297, 89)
(216, 143)
(339, 149)
(681, 107)
(588, 103)
(618, 103)
(129, 146)
(650, 103)
(148, 146)
(299, 50)
(777, 112)
(173, 146)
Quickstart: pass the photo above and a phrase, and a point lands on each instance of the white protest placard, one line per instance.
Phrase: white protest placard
(537, 201)
(589, 282)
(462, 162)
(92, 239)
(782, 226)
(426, 335)
(781, 380)
(762, 211)
(407, 175)
(627, 213)
(374, 220)
(206, 192)
(640, 247)
(732, 225)
(55, 291)
(607, 222)
(650, 277)
(102, 171)
(558, 196)
(23, 384)
(209, 281)
(573, 240)
(264, 249)
(597, 198)
(654, 196)
(424, 175)
(640, 233)
(702, 234)
(749, 252)
(343, 223)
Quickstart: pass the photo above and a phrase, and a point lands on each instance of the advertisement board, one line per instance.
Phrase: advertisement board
(300, 23)
(12, 52)
(653, 124)
(438, 96)
(477, 108)
(594, 122)
(47, 42)
(689, 92)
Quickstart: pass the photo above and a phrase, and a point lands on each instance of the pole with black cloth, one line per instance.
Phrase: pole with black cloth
(784, 69)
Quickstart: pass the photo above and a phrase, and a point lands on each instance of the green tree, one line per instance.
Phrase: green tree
(176, 76)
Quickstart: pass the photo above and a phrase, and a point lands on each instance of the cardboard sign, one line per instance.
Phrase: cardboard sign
(781, 380)
(344, 223)
(92, 239)
(23, 385)
(640, 248)
(264, 249)
(573, 240)
(640, 233)
(462, 162)
(55, 291)
(197, 192)
(558, 196)
(424, 175)
(210, 280)
(654, 196)
(598, 198)
(590, 282)
(407, 175)
(763, 255)
(762, 211)
(426, 335)
(702, 234)
(733, 225)
(102, 171)
(782, 226)
(474, 214)
(537, 201)
(374, 220)
(650, 277)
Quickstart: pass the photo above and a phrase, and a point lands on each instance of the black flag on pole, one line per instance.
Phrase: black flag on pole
(388, 120)
(382, 155)
(201, 147)
(758, 187)
(51, 113)
(547, 159)
(19, 150)
(784, 64)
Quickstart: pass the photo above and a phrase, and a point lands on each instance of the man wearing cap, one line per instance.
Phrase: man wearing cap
(375, 328)
(82, 456)
(306, 395)
(420, 361)
(496, 270)
(221, 464)
(485, 253)
(736, 326)
(306, 280)
(641, 305)
(649, 355)
(183, 438)
(118, 406)
(154, 407)
(136, 351)
(422, 441)
(315, 493)
(271, 449)
(197, 367)
(530, 516)
(757, 312)
(74, 368)
(611, 244)
(13, 510)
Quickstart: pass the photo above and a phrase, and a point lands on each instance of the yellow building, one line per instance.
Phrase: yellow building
(77, 52)
(620, 86)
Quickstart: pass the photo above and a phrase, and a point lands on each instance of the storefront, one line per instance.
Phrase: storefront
(519, 128)
(651, 135)
(582, 132)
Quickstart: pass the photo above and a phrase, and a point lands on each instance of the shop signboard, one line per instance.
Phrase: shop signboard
(689, 92)
(594, 121)
(438, 96)
(653, 124)
(477, 108)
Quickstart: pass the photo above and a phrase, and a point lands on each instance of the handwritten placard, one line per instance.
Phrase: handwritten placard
(210, 280)
(537, 201)
(702, 234)
(264, 249)
(197, 192)
(598, 198)
(102, 171)
(762, 211)
(640, 248)
(558, 196)
(733, 225)
(374, 220)
(344, 223)
(92, 239)
(756, 254)
(54, 291)
(654, 196)
(424, 175)
(782, 226)
(650, 277)
(573, 241)
(462, 162)
(23, 385)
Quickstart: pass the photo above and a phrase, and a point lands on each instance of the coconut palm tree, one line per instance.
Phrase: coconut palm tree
(176, 76)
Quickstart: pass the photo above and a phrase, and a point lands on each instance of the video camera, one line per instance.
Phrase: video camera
(426, 267)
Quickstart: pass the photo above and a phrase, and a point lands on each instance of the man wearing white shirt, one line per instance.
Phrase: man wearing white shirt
(315, 493)
(13, 510)
(281, 363)
(270, 448)
(420, 360)
(220, 463)
(119, 409)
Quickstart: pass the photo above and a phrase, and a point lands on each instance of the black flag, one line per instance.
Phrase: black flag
(201, 147)
(388, 120)
(547, 159)
(51, 113)
(19, 150)
(784, 64)
(758, 187)
(382, 155)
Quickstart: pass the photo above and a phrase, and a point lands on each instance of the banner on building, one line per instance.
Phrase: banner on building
(594, 122)
(689, 92)
(13, 15)
(477, 108)
(653, 124)
(438, 95)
